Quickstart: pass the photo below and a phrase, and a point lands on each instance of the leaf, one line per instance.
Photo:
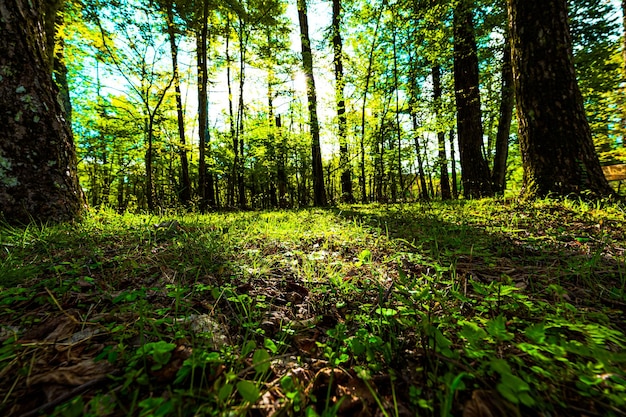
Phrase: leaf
(261, 360)
(248, 347)
(497, 329)
(365, 257)
(248, 391)
(500, 366)
(386, 312)
(270, 345)
(225, 391)
(473, 333)
(536, 332)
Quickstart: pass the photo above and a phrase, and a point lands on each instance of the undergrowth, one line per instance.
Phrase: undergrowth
(435, 309)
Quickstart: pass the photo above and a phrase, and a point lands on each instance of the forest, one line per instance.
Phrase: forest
(312, 208)
(383, 76)
(201, 106)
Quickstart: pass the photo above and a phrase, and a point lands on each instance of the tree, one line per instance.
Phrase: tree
(595, 31)
(136, 58)
(558, 154)
(446, 194)
(507, 101)
(206, 189)
(346, 170)
(185, 182)
(38, 175)
(319, 194)
(475, 171)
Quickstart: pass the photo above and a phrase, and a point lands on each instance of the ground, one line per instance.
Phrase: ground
(472, 308)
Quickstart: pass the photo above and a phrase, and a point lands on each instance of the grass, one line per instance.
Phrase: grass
(419, 309)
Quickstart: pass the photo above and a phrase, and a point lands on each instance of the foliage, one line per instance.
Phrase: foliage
(429, 309)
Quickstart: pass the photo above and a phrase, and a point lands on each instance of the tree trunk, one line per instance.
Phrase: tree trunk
(455, 190)
(475, 170)
(441, 136)
(557, 149)
(281, 174)
(201, 38)
(344, 160)
(185, 187)
(420, 162)
(504, 124)
(38, 177)
(319, 194)
(624, 72)
(243, 42)
(368, 76)
(149, 186)
(231, 119)
(398, 126)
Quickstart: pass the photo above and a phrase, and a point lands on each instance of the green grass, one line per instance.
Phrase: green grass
(420, 309)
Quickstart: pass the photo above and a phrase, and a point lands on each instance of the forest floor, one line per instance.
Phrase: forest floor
(469, 308)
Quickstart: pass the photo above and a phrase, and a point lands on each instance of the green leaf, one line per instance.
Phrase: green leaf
(270, 345)
(261, 360)
(536, 332)
(248, 391)
(225, 391)
(473, 333)
(497, 329)
(500, 366)
(248, 347)
(365, 257)
(386, 312)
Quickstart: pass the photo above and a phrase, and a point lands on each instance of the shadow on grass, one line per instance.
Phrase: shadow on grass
(532, 248)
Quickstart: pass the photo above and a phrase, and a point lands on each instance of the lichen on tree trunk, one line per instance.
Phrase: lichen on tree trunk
(38, 176)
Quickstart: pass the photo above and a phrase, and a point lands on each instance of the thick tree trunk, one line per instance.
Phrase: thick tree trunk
(441, 136)
(344, 160)
(319, 194)
(38, 177)
(558, 154)
(475, 170)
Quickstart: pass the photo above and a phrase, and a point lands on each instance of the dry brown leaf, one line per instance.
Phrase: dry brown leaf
(74, 375)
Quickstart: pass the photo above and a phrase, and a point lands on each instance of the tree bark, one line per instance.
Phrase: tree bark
(243, 42)
(201, 38)
(557, 149)
(504, 123)
(475, 170)
(319, 194)
(441, 135)
(344, 160)
(38, 176)
(455, 190)
(624, 72)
